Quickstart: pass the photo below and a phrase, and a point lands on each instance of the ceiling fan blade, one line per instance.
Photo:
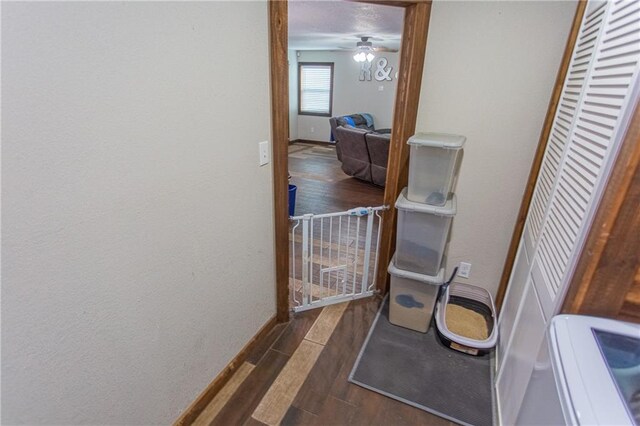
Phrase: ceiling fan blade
(385, 49)
(355, 38)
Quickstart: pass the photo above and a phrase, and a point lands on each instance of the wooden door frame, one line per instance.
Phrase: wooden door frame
(608, 268)
(412, 56)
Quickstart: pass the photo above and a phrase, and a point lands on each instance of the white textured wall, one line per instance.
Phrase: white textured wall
(137, 226)
(489, 73)
(349, 94)
(293, 94)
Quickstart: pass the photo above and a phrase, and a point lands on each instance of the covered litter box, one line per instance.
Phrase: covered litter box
(466, 319)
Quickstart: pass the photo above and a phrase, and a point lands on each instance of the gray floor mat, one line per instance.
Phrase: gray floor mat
(417, 369)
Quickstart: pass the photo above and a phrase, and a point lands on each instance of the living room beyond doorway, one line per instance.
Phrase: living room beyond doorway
(343, 78)
(343, 74)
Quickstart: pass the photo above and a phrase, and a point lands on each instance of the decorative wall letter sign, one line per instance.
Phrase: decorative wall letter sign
(381, 72)
(365, 71)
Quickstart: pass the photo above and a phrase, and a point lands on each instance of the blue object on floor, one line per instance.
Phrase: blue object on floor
(292, 199)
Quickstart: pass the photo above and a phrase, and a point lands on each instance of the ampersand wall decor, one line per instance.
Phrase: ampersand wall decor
(382, 73)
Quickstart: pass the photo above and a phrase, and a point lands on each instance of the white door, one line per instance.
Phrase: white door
(598, 97)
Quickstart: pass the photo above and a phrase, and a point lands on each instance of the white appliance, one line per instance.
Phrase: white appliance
(589, 374)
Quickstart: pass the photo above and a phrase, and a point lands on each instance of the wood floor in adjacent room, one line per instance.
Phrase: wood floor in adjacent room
(298, 376)
(322, 185)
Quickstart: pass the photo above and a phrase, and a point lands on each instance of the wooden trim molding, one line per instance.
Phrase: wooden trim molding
(309, 141)
(608, 269)
(539, 154)
(279, 67)
(193, 411)
(412, 55)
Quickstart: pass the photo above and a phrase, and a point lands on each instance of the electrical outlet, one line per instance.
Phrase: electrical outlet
(464, 270)
(264, 152)
(313, 130)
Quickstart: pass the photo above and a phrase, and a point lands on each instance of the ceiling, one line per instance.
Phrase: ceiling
(330, 25)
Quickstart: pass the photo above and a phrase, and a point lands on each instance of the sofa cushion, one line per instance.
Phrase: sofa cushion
(378, 148)
(334, 122)
(355, 155)
(358, 121)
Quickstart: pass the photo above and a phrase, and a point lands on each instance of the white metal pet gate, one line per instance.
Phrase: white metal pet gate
(331, 256)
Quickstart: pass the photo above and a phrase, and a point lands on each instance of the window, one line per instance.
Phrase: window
(315, 88)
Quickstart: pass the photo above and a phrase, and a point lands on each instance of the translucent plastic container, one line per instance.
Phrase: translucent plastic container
(434, 162)
(423, 232)
(412, 297)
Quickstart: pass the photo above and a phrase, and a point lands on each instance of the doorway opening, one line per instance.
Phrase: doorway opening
(410, 66)
(342, 86)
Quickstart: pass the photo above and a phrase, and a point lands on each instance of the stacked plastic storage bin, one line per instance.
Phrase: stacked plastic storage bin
(425, 212)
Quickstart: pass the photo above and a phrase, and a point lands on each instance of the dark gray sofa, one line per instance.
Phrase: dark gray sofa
(355, 155)
(364, 153)
(335, 122)
(378, 147)
(359, 121)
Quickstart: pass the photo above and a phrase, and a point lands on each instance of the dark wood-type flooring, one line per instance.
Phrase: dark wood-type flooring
(326, 397)
(322, 185)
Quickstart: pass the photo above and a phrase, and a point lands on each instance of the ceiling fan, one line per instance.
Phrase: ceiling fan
(365, 50)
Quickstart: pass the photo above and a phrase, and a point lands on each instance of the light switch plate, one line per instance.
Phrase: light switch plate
(464, 270)
(264, 152)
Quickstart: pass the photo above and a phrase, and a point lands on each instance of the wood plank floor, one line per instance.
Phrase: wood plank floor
(322, 185)
(324, 397)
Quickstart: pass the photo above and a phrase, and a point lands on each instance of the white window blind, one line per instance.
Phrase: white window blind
(316, 81)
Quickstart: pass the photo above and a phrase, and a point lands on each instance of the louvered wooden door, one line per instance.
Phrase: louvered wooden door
(599, 93)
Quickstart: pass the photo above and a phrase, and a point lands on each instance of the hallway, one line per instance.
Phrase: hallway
(280, 383)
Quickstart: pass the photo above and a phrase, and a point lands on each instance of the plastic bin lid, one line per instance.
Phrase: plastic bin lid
(437, 140)
(449, 209)
(427, 279)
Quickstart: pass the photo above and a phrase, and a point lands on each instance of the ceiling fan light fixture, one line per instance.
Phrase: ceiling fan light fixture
(360, 57)
(365, 50)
